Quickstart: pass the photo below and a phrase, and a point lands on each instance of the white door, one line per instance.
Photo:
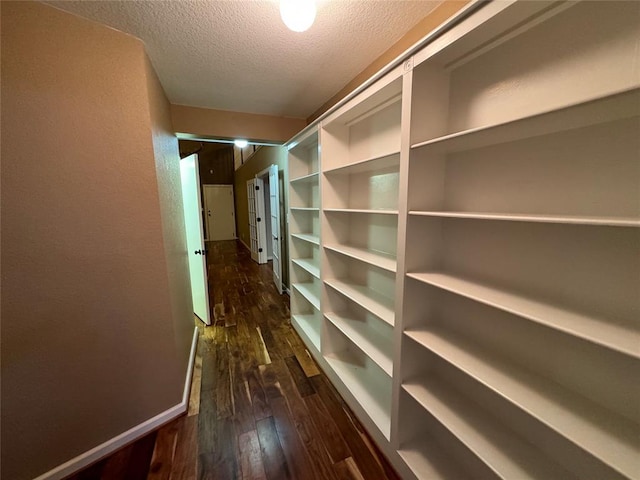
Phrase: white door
(195, 239)
(257, 232)
(220, 212)
(274, 195)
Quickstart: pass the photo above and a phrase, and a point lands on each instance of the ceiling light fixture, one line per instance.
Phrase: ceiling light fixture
(240, 143)
(298, 15)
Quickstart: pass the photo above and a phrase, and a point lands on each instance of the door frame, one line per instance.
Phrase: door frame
(264, 176)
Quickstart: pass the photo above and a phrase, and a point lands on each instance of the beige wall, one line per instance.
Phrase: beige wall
(92, 336)
(260, 160)
(205, 123)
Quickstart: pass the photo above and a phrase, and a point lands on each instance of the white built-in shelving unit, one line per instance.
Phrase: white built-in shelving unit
(304, 242)
(478, 272)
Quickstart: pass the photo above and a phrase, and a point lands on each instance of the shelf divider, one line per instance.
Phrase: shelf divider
(307, 237)
(306, 290)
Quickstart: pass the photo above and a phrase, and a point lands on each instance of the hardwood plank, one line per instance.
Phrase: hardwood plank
(261, 408)
(369, 466)
(184, 466)
(241, 398)
(251, 457)
(300, 351)
(304, 386)
(275, 464)
(294, 451)
(306, 429)
(224, 407)
(347, 470)
(270, 383)
(328, 431)
(164, 451)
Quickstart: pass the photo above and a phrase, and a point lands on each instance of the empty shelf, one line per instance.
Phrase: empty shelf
(428, 460)
(307, 237)
(605, 435)
(304, 209)
(310, 326)
(377, 346)
(563, 219)
(307, 291)
(372, 390)
(598, 331)
(500, 449)
(607, 108)
(381, 306)
(373, 164)
(372, 257)
(308, 264)
(362, 210)
(312, 177)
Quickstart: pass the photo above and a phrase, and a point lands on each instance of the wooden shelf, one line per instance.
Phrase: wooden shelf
(307, 237)
(304, 209)
(598, 331)
(310, 178)
(428, 460)
(368, 165)
(306, 290)
(376, 346)
(359, 210)
(513, 217)
(372, 390)
(605, 435)
(372, 257)
(368, 299)
(502, 451)
(308, 264)
(607, 108)
(310, 326)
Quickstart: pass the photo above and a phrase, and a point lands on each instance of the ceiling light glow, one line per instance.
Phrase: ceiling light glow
(298, 15)
(240, 143)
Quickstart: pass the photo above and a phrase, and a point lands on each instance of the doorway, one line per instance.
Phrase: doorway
(219, 206)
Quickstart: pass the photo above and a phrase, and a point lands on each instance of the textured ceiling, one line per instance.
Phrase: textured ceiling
(238, 55)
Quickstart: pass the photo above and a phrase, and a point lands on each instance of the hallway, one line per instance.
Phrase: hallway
(259, 407)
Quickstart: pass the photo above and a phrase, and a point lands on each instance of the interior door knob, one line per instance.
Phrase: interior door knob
(200, 252)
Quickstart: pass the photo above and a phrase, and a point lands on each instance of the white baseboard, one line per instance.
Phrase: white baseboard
(131, 435)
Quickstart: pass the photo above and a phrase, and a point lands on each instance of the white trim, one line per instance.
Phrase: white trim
(101, 451)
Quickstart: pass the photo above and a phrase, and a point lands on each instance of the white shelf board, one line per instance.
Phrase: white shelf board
(307, 323)
(372, 164)
(304, 209)
(306, 290)
(599, 110)
(362, 210)
(307, 237)
(310, 178)
(598, 331)
(500, 449)
(308, 264)
(605, 435)
(520, 217)
(368, 389)
(377, 347)
(373, 302)
(372, 257)
(428, 460)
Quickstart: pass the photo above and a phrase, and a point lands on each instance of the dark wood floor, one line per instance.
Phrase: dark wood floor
(260, 408)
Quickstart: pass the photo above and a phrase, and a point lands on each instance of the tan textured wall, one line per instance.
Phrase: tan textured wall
(219, 124)
(167, 159)
(264, 157)
(435, 18)
(89, 344)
